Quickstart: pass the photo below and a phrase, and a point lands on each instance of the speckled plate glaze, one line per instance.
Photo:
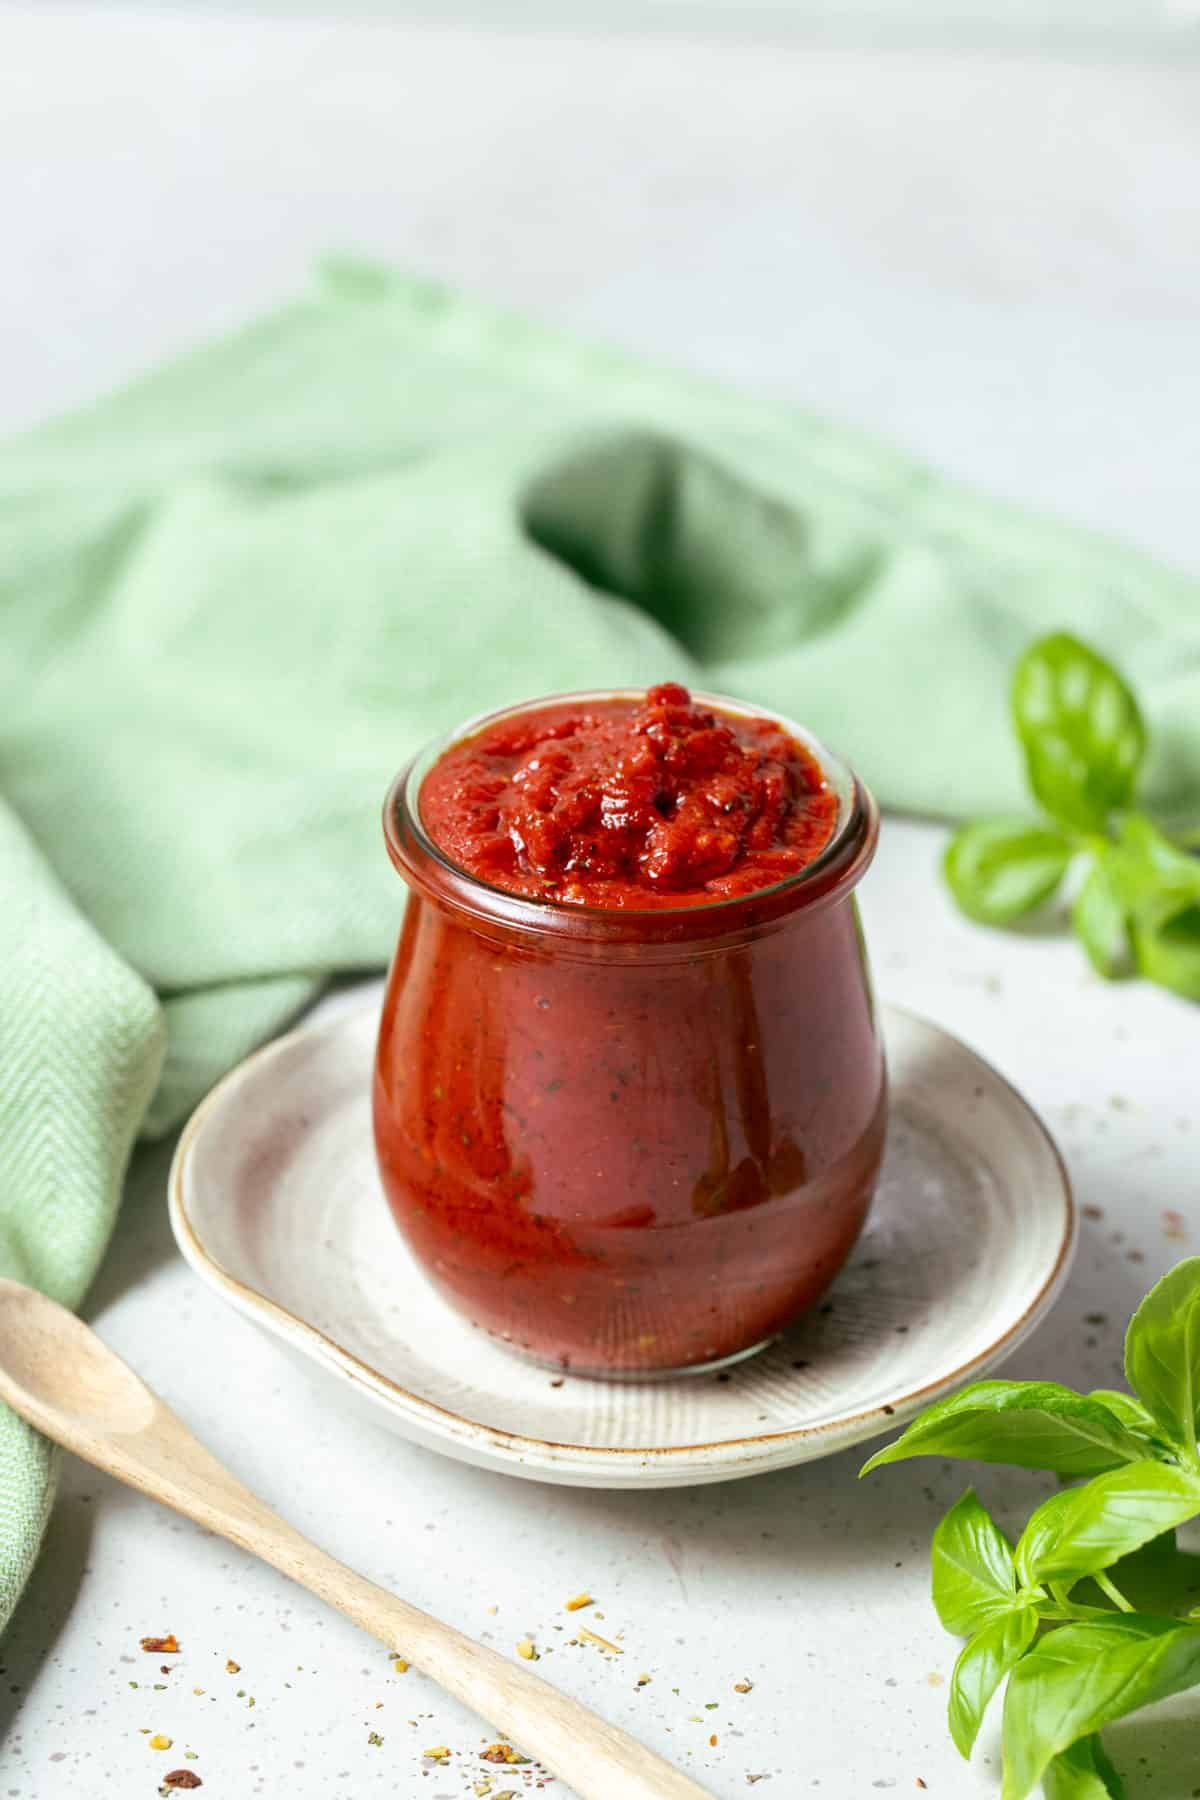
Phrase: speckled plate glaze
(276, 1203)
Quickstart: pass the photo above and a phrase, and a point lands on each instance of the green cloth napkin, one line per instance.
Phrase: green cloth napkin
(236, 595)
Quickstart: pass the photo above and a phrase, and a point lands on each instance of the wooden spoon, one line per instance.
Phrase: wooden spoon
(58, 1374)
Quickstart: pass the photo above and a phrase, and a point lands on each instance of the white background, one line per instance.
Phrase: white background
(992, 259)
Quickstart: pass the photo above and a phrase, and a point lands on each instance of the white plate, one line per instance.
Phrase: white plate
(276, 1203)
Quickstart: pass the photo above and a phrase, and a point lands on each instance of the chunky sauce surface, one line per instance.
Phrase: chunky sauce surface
(629, 803)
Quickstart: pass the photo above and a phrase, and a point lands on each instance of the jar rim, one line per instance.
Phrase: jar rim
(427, 867)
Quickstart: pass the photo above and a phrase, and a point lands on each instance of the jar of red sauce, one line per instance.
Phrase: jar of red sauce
(629, 1095)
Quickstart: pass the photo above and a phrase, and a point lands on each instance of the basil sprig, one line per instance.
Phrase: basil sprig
(1137, 900)
(1056, 1614)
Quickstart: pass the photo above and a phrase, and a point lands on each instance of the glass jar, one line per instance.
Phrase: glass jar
(630, 1141)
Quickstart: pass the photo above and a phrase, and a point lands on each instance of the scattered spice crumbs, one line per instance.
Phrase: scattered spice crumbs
(578, 1601)
(743, 1686)
(162, 1646)
(439, 1754)
(526, 1650)
(920, 1783)
(182, 1778)
(400, 1666)
(501, 1753)
(232, 1668)
(642, 1680)
(374, 1739)
(593, 1637)
(159, 1742)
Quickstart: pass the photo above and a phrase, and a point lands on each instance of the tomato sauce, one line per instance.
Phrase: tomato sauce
(629, 1095)
(622, 803)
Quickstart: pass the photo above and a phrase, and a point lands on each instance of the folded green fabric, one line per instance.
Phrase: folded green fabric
(235, 596)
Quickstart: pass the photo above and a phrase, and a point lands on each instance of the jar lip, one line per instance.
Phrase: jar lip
(418, 856)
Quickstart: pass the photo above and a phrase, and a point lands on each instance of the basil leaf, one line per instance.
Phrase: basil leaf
(972, 1565)
(1132, 1414)
(1169, 953)
(1080, 1677)
(1099, 920)
(1037, 1542)
(1152, 875)
(982, 1666)
(998, 869)
(1162, 1352)
(1034, 1424)
(1158, 885)
(1082, 1773)
(1081, 731)
(1088, 1528)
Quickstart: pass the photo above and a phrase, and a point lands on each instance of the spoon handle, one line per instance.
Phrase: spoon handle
(599, 1761)
(116, 1423)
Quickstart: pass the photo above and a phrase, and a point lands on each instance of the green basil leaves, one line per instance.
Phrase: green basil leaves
(1074, 1661)
(1080, 729)
(974, 1578)
(1000, 869)
(1082, 1773)
(1162, 1356)
(1034, 1424)
(1082, 1677)
(1086, 1529)
(991, 1654)
(1135, 894)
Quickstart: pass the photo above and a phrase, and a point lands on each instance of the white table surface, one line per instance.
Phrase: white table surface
(994, 262)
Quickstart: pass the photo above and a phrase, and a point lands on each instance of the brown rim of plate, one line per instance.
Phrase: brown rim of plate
(370, 1377)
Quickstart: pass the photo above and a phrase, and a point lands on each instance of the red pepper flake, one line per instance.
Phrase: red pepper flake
(162, 1646)
(232, 1668)
(713, 1740)
(182, 1778)
(920, 1783)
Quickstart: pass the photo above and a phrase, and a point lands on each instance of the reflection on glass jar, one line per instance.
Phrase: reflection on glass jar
(630, 1140)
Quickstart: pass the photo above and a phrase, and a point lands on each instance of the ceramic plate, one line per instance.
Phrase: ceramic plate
(276, 1204)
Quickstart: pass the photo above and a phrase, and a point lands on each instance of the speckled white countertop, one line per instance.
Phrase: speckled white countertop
(995, 262)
